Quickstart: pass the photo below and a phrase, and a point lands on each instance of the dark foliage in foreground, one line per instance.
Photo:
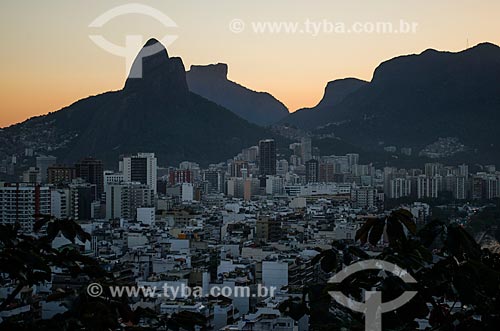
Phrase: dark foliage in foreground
(447, 263)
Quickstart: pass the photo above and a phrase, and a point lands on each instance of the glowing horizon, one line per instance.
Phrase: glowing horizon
(51, 62)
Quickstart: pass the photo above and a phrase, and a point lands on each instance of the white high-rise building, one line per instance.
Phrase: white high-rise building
(460, 188)
(400, 187)
(490, 187)
(21, 202)
(60, 206)
(122, 200)
(141, 168)
(275, 185)
(433, 169)
(428, 187)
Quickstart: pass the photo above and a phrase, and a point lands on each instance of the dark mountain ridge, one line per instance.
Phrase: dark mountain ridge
(211, 82)
(414, 100)
(153, 113)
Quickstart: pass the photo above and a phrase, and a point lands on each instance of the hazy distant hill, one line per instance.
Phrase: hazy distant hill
(257, 107)
(335, 92)
(155, 113)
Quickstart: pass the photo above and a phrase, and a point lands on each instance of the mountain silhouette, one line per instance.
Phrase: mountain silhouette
(154, 112)
(414, 100)
(411, 101)
(211, 82)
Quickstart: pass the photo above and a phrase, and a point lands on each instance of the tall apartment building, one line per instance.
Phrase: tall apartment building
(459, 187)
(60, 203)
(352, 159)
(312, 171)
(141, 168)
(433, 169)
(427, 187)
(476, 188)
(82, 195)
(485, 186)
(122, 200)
(267, 157)
(91, 171)
(327, 172)
(490, 187)
(215, 180)
(389, 174)
(463, 170)
(21, 202)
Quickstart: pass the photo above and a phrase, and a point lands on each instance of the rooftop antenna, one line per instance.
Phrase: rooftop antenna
(467, 45)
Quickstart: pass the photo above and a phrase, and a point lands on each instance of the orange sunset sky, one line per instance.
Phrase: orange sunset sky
(48, 60)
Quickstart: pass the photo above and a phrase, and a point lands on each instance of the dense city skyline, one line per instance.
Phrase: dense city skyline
(50, 62)
(179, 188)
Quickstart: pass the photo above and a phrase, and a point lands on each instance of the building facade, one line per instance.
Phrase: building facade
(267, 157)
(141, 168)
(22, 202)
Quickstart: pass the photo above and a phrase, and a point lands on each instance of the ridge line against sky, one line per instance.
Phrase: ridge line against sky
(48, 60)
